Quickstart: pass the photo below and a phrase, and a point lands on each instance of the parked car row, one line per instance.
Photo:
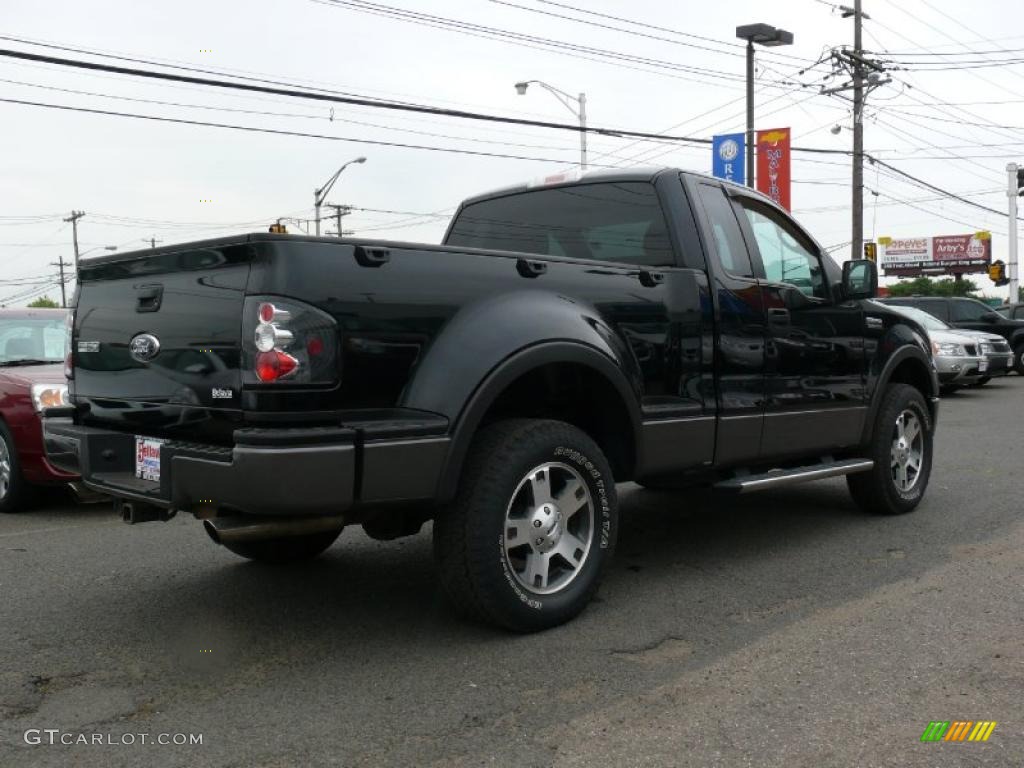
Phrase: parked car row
(971, 342)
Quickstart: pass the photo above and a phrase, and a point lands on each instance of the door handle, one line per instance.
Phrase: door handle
(650, 279)
(367, 256)
(528, 268)
(778, 314)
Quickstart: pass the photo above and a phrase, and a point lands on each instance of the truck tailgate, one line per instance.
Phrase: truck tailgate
(157, 340)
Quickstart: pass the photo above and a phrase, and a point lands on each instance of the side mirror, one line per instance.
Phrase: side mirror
(860, 279)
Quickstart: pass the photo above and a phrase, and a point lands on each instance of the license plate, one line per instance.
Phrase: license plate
(147, 458)
(982, 366)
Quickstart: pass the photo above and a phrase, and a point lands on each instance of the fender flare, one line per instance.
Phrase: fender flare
(904, 353)
(518, 364)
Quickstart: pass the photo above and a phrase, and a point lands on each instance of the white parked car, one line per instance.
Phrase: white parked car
(959, 358)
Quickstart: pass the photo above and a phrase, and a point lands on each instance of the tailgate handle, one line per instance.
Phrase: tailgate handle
(372, 257)
(148, 297)
(528, 268)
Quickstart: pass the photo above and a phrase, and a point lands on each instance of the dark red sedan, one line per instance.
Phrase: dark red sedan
(31, 379)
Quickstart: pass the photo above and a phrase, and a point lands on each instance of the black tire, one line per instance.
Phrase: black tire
(877, 491)
(287, 549)
(1018, 359)
(480, 577)
(14, 490)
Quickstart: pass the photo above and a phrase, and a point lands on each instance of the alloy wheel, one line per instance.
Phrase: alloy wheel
(549, 528)
(907, 454)
(5, 469)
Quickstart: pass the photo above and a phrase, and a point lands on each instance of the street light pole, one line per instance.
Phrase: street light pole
(583, 131)
(768, 36)
(580, 112)
(750, 112)
(319, 195)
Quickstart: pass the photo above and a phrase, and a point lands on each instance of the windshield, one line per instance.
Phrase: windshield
(31, 340)
(930, 322)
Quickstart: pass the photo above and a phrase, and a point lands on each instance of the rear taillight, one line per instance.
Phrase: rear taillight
(286, 341)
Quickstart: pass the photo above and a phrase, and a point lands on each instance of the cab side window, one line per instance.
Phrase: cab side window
(965, 310)
(729, 245)
(786, 258)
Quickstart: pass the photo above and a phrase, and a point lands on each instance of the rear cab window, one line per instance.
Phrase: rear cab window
(606, 221)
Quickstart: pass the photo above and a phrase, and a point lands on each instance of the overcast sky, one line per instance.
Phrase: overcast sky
(138, 179)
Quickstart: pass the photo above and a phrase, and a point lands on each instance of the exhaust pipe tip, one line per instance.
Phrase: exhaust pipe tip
(211, 531)
(242, 528)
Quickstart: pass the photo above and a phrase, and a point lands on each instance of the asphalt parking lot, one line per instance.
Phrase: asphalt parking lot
(783, 628)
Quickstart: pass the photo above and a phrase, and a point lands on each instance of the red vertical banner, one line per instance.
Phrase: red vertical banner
(773, 165)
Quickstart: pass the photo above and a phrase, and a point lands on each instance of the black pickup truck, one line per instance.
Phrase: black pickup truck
(656, 326)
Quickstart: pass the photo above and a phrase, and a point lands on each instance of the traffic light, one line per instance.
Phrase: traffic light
(278, 229)
(871, 251)
(997, 273)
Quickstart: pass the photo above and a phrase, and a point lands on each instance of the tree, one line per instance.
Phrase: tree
(44, 302)
(926, 286)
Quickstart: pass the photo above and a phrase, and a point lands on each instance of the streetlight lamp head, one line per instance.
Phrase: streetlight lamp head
(835, 129)
(359, 160)
(764, 34)
(521, 88)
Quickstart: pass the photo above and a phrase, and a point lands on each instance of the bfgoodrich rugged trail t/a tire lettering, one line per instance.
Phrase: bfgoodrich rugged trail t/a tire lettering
(532, 528)
(901, 446)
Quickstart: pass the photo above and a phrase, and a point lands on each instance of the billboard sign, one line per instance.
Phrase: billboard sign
(773, 165)
(945, 254)
(728, 152)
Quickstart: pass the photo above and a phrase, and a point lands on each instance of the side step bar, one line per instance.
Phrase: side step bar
(776, 478)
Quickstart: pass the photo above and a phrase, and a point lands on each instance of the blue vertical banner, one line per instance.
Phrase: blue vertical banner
(729, 158)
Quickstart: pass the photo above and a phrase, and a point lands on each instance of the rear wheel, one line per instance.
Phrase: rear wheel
(13, 488)
(901, 447)
(286, 549)
(532, 528)
(1018, 359)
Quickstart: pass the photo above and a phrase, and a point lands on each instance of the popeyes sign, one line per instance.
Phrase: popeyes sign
(773, 162)
(944, 254)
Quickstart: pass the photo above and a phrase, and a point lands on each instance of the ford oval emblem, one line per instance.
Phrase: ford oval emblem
(144, 347)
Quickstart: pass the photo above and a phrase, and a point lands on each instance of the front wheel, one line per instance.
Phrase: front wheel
(1018, 359)
(284, 549)
(13, 488)
(901, 447)
(532, 528)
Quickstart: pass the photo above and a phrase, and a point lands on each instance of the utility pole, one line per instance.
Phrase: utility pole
(857, 238)
(1012, 190)
(339, 211)
(63, 296)
(73, 218)
(865, 75)
(152, 241)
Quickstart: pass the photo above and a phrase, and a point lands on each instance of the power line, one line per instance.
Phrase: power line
(655, 27)
(602, 55)
(588, 22)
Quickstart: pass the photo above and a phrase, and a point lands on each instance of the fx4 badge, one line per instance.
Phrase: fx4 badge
(221, 394)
